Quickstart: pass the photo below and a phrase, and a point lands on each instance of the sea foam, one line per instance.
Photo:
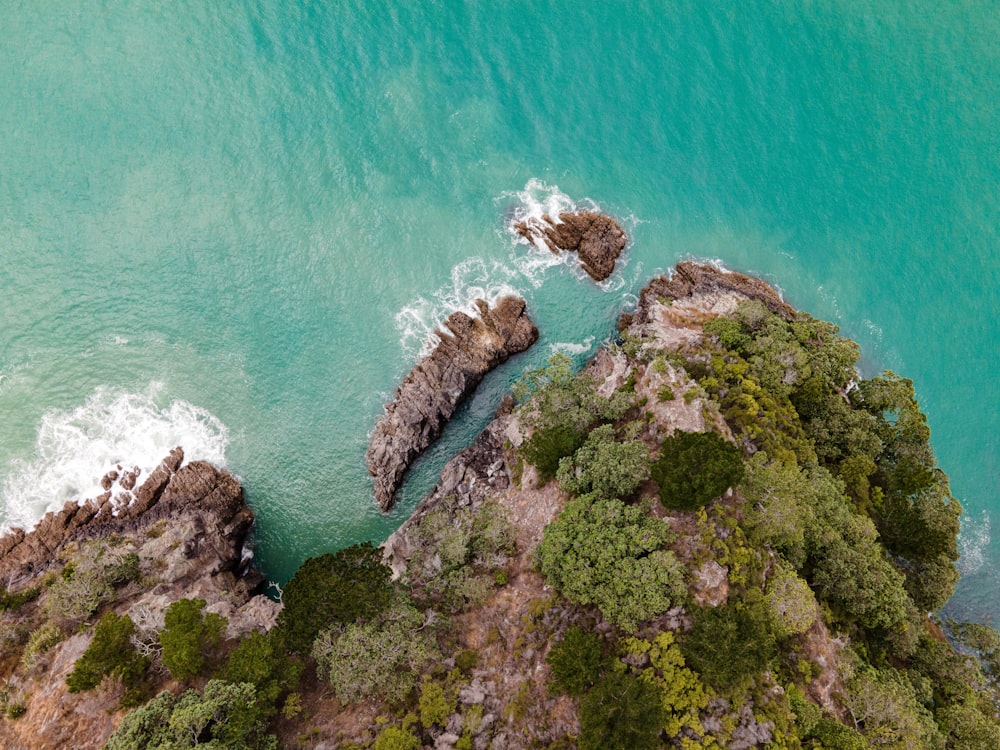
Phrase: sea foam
(74, 449)
(480, 278)
(472, 279)
(973, 543)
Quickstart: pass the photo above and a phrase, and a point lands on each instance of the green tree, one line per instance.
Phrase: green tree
(262, 661)
(383, 657)
(396, 738)
(621, 711)
(730, 644)
(226, 715)
(189, 636)
(110, 653)
(577, 662)
(606, 553)
(333, 589)
(605, 467)
(696, 467)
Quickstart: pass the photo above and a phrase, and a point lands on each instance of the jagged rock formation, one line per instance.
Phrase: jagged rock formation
(704, 287)
(596, 238)
(430, 393)
(186, 525)
(211, 496)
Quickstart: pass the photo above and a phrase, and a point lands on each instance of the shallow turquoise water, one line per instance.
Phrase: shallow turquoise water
(232, 225)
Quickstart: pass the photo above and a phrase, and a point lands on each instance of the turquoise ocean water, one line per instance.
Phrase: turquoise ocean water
(233, 225)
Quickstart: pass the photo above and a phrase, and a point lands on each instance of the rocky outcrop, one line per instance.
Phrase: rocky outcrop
(705, 285)
(596, 238)
(430, 393)
(171, 491)
(185, 526)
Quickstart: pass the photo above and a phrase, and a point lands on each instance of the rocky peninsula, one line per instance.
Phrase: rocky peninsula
(713, 536)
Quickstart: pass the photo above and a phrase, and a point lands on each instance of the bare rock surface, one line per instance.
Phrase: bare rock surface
(596, 238)
(430, 393)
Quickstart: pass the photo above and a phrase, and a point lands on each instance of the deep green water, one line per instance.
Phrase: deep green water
(232, 225)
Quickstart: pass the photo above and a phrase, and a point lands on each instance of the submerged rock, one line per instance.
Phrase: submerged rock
(596, 238)
(430, 393)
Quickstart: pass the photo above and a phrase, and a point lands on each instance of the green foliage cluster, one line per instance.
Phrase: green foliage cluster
(340, 588)
(730, 644)
(13, 602)
(613, 555)
(604, 467)
(577, 662)
(456, 553)
(382, 657)
(189, 637)
(89, 580)
(261, 660)
(683, 694)
(564, 407)
(696, 467)
(621, 711)
(110, 653)
(225, 715)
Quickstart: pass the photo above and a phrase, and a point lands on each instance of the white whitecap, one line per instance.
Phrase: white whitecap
(973, 543)
(472, 279)
(571, 348)
(74, 449)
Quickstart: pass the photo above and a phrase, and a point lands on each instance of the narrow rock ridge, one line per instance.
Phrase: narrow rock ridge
(169, 492)
(596, 238)
(430, 393)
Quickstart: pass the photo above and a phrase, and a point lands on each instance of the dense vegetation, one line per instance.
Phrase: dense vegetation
(841, 523)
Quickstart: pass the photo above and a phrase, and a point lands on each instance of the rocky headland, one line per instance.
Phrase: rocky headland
(180, 533)
(483, 661)
(430, 393)
(596, 238)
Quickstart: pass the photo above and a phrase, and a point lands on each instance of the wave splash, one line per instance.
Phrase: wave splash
(973, 543)
(488, 279)
(76, 448)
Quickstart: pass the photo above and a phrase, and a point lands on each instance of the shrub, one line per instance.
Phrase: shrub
(577, 662)
(729, 645)
(380, 658)
(225, 715)
(696, 467)
(333, 589)
(396, 738)
(436, 703)
(109, 653)
(604, 467)
(547, 445)
(89, 580)
(791, 603)
(621, 712)
(459, 554)
(41, 640)
(606, 553)
(188, 636)
(261, 660)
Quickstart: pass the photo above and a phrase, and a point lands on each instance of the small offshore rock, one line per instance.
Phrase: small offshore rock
(597, 239)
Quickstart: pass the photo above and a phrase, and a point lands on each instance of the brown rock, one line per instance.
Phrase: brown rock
(596, 238)
(430, 393)
(692, 279)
